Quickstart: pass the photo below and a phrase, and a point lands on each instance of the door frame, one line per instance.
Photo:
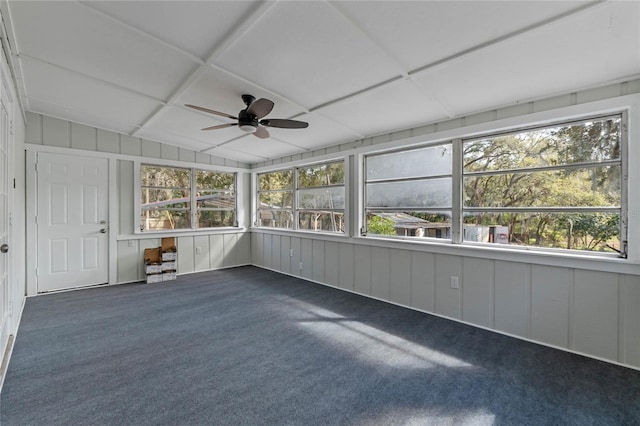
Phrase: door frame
(31, 210)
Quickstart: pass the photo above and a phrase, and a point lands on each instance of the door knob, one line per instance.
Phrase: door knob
(4, 248)
(103, 231)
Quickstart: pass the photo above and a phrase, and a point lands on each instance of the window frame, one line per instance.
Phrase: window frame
(458, 175)
(295, 188)
(193, 202)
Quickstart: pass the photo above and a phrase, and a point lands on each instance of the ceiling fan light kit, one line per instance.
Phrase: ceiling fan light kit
(249, 118)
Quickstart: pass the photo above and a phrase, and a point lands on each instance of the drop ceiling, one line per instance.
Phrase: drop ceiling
(352, 69)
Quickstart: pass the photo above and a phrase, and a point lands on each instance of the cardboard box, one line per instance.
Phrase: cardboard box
(153, 268)
(154, 278)
(153, 255)
(170, 255)
(169, 244)
(169, 276)
(169, 266)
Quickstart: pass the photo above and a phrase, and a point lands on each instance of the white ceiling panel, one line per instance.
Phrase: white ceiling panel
(221, 91)
(395, 106)
(195, 27)
(352, 69)
(75, 37)
(603, 45)
(235, 155)
(309, 53)
(418, 33)
(96, 103)
(264, 148)
(321, 132)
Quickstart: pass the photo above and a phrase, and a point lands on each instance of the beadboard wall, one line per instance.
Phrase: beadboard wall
(197, 251)
(589, 312)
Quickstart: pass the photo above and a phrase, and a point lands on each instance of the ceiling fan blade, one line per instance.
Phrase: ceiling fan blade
(261, 133)
(260, 108)
(285, 124)
(220, 126)
(210, 111)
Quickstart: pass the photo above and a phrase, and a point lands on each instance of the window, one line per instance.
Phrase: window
(306, 198)
(409, 193)
(181, 198)
(557, 187)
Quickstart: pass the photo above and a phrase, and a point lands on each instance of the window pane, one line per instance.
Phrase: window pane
(321, 175)
(598, 231)
(423, 162)
(276, 180)
(594, 141)
(411, 194)
(321, 221)
(158, 219)
(426, 224)
(592, 187)
(321, 198)
(165, 177)
(275, 218)
(216, 218)
(216, 199)
(279, 199)
(212, 180)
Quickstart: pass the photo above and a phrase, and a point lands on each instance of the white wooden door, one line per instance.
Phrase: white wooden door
(71, 221)
(5, 296)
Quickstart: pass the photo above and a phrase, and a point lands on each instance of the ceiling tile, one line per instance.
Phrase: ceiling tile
(264, 148)
(82, 99)
(75, 37)
(395, 106)
(322, 132)
(417, 33)
(195, 27)
(235, 155)
(603, 45)
(221, 91)
(307, 52)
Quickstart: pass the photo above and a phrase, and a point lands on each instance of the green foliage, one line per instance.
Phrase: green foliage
(380, 225)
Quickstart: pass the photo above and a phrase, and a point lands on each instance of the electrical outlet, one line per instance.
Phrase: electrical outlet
(454, 282)
(198, 250)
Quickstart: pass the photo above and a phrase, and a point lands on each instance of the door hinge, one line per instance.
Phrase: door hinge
(14, 183)
(37, 274)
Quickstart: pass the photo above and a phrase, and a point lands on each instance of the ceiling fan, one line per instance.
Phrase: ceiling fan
(249, 119)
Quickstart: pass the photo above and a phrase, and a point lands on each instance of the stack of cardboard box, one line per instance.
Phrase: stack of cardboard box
(161, 262)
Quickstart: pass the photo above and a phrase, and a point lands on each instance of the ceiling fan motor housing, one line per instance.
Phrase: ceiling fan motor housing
(247, 122)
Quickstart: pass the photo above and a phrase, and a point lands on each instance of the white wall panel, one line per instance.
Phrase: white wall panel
(129, 260)
(423, 281)
(275, 253)
(550, 291)
(201, 251)
(243, 249)
(285, 254)
(216, 248)
(108, 141)
(448, 300)
(380, 263)
(266, 250)
(306, 257)
(56, 132)
(477, 291)
(130, 145)
(331, 263)
(126, 220)
(318, 261)
(256, 248)
(400, 277)
(186, 262)
(630, 319)
(296, 258)
(512, 293)
(346, 266)
(83, 137)
(362, 269)
(230, 250)
(595, 315)
(151, 149)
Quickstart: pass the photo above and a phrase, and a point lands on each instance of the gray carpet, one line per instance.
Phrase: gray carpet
(247, 346)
